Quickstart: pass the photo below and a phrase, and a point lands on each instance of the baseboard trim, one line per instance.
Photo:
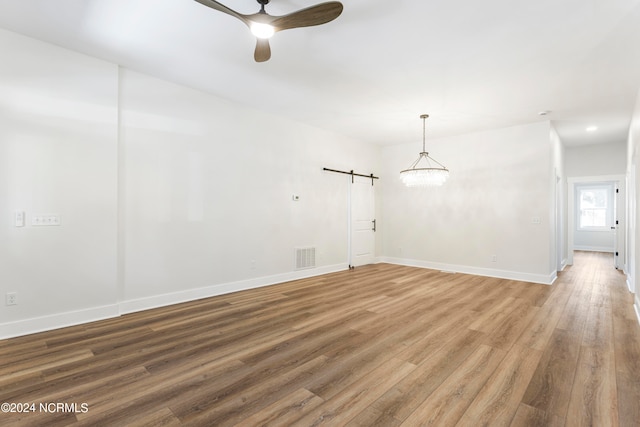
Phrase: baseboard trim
(636, 306)
(156, 301)
(57, 321)
(478, 271)
(563, 265)
(73, 318)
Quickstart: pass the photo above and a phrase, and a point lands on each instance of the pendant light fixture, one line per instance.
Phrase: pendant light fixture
(425, 174)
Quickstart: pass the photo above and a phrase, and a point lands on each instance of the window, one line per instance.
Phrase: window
(595, 207)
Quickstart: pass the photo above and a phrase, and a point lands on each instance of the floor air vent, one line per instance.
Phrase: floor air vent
(305, 258)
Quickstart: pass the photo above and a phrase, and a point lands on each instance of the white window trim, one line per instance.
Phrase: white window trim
(610, 187)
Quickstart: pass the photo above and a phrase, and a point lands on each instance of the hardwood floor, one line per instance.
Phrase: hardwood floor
(382, 345)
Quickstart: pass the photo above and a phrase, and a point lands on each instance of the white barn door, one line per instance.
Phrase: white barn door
(362, 222)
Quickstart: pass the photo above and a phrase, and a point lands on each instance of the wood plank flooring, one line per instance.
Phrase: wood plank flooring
(381, 345)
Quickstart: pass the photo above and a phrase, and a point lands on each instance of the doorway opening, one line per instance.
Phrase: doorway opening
(596, 217)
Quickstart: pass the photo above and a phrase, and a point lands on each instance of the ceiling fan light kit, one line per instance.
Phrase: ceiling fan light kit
(262, 31)
(263, 25)
(426, 171)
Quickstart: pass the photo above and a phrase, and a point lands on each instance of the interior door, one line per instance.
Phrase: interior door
(619, 211)
(362, 222)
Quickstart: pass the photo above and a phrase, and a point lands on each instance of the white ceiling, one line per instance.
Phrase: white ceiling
(469, 64)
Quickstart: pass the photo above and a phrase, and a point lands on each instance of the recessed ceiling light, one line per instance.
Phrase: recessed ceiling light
(592, 128)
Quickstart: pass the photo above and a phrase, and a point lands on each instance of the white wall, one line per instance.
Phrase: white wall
(165, 193)
(595, 160)
(58, 135)
(634, 184)
(208, 193)
(500, 182)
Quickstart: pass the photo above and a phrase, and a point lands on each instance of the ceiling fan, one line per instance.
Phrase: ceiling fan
(263, 25)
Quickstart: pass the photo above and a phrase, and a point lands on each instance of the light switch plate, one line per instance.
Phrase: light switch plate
(45, 220)
(19, 219)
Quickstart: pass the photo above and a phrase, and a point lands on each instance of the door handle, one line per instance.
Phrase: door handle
(374, 225)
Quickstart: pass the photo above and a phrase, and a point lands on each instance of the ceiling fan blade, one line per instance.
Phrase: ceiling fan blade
(263, 50)
(222, 8)
(314, 15)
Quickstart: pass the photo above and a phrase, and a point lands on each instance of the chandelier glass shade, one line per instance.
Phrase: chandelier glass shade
(426, 171)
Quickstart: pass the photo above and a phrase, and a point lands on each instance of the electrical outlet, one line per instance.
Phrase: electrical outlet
(494, 258)
(12, 298)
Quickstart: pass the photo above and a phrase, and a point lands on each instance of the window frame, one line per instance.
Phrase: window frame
(609, 207)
